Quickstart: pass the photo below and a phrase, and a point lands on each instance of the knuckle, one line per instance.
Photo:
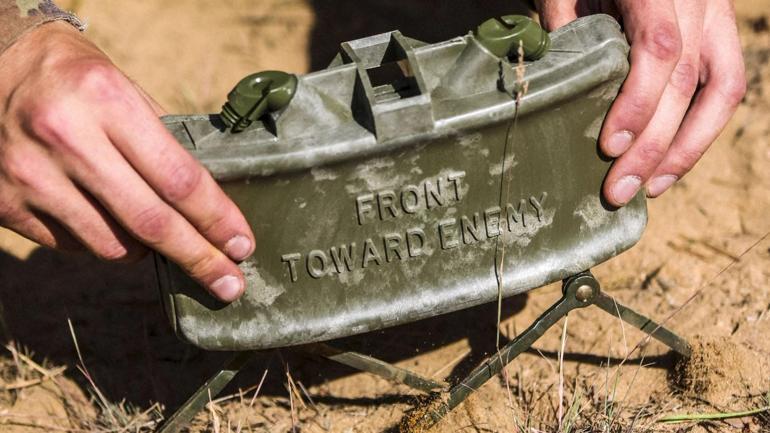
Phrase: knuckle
(12, 214)
(662, 41)
(184, 179)
(47, 120)
(201, 267)
(635, 113)
(684, 78)
(152, 224)
(651, 154)
(733, 90)
(215, 223)
(685, 159)
(98, 79)
(22, 168)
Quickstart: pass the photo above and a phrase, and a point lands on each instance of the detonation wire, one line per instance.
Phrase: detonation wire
(519, 90)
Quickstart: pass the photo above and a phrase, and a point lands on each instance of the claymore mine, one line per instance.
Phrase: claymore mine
(408, 180)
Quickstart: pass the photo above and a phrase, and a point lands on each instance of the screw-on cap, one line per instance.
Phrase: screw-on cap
(253, 96)
(503, 35)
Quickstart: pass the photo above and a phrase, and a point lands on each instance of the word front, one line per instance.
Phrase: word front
(429, 194)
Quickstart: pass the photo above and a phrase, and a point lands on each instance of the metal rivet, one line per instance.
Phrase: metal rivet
(584, 293)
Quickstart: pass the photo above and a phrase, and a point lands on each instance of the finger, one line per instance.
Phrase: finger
(556, 13)
(57, 197)
(724, 85)
(653, 32)
(635, 166)
(152, 221)
(179, 179)
(42, 230)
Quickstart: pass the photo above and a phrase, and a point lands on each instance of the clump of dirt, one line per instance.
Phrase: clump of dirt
(421, 418)
(721, 370)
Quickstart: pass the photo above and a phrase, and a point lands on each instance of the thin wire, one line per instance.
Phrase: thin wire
(519, 90)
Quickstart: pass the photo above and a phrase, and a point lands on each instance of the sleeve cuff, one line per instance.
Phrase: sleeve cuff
(18, 18)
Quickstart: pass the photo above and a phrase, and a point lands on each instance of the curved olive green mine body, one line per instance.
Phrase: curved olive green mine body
(380, 201)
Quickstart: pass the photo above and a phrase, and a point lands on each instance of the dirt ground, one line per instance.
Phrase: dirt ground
(704, 236)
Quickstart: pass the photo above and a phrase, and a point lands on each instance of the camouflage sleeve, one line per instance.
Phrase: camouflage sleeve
(20, 16)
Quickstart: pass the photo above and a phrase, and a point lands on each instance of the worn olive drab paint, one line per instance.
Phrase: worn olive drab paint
(374, 194)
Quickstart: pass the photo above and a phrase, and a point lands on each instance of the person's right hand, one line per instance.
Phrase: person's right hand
(85, 162)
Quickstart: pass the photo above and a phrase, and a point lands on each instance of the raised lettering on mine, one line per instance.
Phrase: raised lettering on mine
(433, 196)
(410, 199)
(471, 230)
(429, 194)
(538, 205)
(370, 254)
(492, 221)
(364, 207)
(415, 242)
(516, 215)
(317, 264)
(385, 246)
(385, 204)
(455, 179)
(342, 258)
(291, 260)
(447, 234)
(392, 243)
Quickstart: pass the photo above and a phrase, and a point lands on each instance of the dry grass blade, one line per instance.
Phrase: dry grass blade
(675, 419)
(560, 414)
(215, 421)
(103, 402)
(32, 382)
(22, 359)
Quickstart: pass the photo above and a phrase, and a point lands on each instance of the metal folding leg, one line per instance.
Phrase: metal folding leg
(182, 417)
(358, 361)
(644, 324)
(579, 291)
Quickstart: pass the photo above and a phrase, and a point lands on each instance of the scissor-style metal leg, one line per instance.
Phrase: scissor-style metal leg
(376, 366)
(209, 390)
(643, 323)
(579, 291)
(182, 417)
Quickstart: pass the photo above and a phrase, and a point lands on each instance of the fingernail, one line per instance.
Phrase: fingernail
(228, 288)
(619, 142)
(238, 248)
(625, 189)
(660, 184)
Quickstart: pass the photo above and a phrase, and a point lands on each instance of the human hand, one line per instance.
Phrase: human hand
(686, 80)
(85, 162)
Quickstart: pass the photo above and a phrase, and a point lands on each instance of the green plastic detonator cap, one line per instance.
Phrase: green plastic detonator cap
(255, 95)
(503, 35)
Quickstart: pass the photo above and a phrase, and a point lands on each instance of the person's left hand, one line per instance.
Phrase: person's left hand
(686, 80)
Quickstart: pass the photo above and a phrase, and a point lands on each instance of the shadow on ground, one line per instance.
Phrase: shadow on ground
(130, 349)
